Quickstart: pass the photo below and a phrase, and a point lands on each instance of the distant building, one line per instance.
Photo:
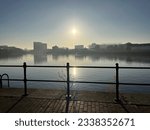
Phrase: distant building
(92, 46)
(40, 48)
(55, 47)
(137, 47)
(79, 47)
(141, 47)
(103, 46)
(59, 50)
(96, 47)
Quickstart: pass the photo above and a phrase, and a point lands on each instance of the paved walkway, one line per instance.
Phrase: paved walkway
(42, 100)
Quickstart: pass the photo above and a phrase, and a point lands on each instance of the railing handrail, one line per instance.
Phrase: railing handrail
(75, 81)
(10, 65)
(78, 66)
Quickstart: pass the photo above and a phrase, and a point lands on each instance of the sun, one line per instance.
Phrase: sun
(74, 31)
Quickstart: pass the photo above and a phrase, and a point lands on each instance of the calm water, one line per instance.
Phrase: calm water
(135, 76)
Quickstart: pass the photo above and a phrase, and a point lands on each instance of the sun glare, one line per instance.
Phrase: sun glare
(74, 71)
(74, 31)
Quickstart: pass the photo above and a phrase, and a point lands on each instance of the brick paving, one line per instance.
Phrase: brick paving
(53, 101)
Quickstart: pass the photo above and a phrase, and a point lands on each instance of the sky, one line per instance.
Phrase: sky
(69, 22)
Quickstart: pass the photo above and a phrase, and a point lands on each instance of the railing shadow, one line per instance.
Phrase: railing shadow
(15, 104)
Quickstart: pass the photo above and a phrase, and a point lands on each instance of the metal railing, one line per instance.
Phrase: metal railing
(68, 81)
(1, 78)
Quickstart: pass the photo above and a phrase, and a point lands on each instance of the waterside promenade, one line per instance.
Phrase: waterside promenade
(53, 101)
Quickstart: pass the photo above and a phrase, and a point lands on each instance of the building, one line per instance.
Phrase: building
(40, 48)
(79, 47)
(140, 47)
(93, 46)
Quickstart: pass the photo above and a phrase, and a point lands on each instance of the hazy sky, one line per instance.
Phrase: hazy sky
(70, 22)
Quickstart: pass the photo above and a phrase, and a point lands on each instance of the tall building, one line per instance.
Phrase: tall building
(39, 48)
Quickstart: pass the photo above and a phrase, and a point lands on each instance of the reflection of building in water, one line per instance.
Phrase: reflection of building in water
(40, 52)
(40, 48)
(40, 58)
(55, 57)
(80, 56)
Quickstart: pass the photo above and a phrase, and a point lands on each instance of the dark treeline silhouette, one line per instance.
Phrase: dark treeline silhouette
(6, 51)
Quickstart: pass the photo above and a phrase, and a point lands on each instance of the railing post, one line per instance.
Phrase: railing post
(117, 82)
(25, 78)
(68, 89)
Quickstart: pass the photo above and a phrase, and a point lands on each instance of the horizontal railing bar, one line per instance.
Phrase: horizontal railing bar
(144, 84)
(134, 67)
(107, 67)
(90, 82)
(46, 66)
(34, 80)
(58, 66)
(111, 67)
(13, 79)
(11, 66)
(110, 83)
(62, 81)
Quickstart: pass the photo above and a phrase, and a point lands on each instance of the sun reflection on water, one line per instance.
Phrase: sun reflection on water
(74, 72)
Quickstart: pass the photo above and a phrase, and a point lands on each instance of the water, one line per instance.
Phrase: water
(80, 74)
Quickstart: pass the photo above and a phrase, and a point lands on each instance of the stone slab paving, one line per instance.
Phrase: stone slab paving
(53, 101)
